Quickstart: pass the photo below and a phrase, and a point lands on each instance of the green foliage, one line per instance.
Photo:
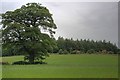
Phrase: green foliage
(91, 51)
(60, 51)
(118, 51)
(23, 31)
(75, 52)
(110, 52)
(104, 51)
(65, 52)
(86, 46)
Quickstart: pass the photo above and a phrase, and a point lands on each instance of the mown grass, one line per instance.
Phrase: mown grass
(65, 66)
(0, 68)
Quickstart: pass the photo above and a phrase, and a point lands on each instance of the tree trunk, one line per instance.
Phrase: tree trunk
(31, 58)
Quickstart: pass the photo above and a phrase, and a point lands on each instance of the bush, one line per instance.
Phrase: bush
(110, 52)
(118, 52)
(75, 52)
(60, 51)
(91, 51)
(78, 52)
(65, 52)
(104, 51)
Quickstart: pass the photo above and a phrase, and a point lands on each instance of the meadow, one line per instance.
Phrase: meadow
(64, 66)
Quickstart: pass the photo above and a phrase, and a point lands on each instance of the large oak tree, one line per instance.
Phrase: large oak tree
(22, 31)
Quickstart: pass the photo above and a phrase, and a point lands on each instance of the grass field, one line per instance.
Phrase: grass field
(0, 69)
(65, 66)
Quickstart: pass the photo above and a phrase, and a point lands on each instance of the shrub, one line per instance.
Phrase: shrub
(75, 52)
(60, 51)
(118, 52)
(91, 51)
(110, 52)
(78, 52)
(65, 52)
(104, 51)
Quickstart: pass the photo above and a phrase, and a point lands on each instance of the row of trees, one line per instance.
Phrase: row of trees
(70, 46)
(84, 46)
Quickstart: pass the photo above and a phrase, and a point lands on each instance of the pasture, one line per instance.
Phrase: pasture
(64, 66)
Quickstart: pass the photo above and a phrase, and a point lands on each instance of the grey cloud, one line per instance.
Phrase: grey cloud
(82, 20)
(96, 21)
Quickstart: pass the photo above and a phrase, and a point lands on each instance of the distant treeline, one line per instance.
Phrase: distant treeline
(70, 46)
(65, 46)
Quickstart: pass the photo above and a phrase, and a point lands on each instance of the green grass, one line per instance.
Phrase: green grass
(65, 66)
(0, 69)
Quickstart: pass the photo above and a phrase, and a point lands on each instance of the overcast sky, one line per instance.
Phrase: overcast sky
(80, 20)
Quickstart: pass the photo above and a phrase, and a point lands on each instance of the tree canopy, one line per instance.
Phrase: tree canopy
(85, 46)
(22, 31)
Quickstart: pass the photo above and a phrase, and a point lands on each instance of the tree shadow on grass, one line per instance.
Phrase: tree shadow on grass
(27, 63)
